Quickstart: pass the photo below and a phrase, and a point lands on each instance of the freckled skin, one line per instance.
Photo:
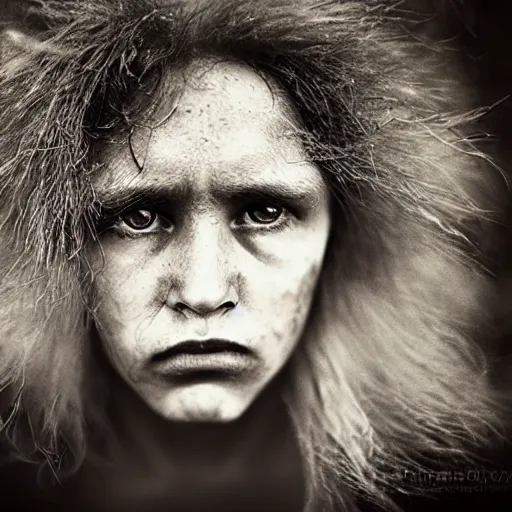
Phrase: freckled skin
(227, 128)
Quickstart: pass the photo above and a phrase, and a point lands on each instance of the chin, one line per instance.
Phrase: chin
(201, 402)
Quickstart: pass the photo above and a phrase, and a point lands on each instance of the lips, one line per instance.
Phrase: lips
(212, 346)
(215, 356)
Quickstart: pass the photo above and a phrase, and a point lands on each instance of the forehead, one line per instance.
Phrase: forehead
(216, 120)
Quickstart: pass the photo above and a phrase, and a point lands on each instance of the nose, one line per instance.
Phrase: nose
(206, 276)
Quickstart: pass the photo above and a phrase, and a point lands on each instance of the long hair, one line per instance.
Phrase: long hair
(388, 374)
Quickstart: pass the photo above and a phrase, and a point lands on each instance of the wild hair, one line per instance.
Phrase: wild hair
(389, 374)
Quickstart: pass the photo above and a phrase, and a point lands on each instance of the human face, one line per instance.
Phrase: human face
(220, 236)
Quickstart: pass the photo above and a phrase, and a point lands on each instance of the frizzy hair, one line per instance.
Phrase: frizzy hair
(388, 374)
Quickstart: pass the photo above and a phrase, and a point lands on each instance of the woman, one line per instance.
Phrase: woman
(243, 245)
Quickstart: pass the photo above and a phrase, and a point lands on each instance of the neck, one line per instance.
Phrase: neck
(252, 463)
(147, 437)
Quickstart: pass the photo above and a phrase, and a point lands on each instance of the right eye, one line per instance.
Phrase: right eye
(141, 222)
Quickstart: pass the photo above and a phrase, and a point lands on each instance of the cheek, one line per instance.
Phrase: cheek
(287, 313)
(125, 281)
(125, 306)
(120, 325)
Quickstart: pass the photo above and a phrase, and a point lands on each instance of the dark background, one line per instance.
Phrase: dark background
(481, 30)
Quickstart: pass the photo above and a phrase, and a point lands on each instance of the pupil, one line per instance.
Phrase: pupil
(265, 215)
(140, 219)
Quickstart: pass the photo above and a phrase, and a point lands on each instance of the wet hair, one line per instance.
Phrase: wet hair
(388, 374)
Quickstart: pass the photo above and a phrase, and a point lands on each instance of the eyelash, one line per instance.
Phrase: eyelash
(281, 223)
(114, 222)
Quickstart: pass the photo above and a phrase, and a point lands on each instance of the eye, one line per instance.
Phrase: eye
(139, 220)
(263, 214)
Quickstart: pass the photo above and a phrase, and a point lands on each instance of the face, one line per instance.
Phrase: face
(212, 240)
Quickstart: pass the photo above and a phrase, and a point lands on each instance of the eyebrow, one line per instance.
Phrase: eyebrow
(123, 198)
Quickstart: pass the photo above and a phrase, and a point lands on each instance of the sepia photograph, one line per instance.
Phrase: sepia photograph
(255, 255)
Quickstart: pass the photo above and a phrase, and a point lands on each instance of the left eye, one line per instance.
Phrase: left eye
(263, 214)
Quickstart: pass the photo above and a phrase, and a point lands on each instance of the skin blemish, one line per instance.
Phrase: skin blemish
(303, 299)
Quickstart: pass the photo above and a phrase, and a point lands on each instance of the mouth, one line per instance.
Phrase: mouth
(213, 346)
(213, 357)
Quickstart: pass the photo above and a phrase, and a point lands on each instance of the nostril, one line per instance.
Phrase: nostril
(183, 308)
(180, 307)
